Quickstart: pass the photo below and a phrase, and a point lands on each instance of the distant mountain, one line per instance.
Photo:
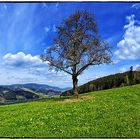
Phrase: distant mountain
(36, 87)
(29, 91)
(8, 95)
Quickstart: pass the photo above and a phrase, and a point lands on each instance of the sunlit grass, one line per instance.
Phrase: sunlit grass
(109, 113)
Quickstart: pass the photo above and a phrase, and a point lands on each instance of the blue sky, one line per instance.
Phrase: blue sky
(26, 29)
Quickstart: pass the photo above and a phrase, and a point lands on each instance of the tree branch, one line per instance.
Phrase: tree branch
(83, 68)
(60, 68)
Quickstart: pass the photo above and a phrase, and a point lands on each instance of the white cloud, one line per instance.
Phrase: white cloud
(21, 60)
(50, 81)
(136, 67)
(115, 61)
(25, 68)
(44, 5)
(136, 6)
(47, 29)
(54, 28)
(124, 69)
(47, 5)
(5, 7)
(127, 68)
(56, 5)
(129, 46)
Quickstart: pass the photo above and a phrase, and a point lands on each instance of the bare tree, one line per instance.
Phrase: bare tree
(77, 46)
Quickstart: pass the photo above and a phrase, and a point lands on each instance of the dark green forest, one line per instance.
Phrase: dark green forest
(112, 81)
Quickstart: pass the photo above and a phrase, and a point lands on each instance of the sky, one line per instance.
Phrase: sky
(27, 29)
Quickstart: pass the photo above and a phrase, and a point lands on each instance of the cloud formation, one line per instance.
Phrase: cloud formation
(22, 60)
(129, 46)
(25, 68)
(127, 68)
(47, 29)
(54, 28)
(136, 6)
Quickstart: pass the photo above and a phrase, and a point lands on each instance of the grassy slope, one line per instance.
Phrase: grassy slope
(41, 95)
(110, 113)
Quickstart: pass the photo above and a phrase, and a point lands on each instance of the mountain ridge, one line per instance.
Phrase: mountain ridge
(35, 86)
(29, 91)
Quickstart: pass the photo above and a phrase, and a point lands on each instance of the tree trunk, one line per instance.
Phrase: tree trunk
(75, 85)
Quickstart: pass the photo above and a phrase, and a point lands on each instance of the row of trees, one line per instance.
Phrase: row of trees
(117, 80)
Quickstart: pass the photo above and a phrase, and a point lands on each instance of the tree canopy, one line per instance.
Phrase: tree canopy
(77, 46)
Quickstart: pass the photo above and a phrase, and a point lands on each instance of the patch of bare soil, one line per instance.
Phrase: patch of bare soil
(80, 98)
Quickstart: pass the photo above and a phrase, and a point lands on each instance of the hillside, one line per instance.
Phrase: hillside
(18, 95)
(25, 92)
(108, 82)
(110, 113)
(36, 87)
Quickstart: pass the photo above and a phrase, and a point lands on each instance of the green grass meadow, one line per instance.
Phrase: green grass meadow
(113, 113)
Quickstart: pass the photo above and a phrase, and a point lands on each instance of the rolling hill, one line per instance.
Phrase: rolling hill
(108, 82)
(113, 113)
(36, 87)
(18, 95)
(25, 92)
